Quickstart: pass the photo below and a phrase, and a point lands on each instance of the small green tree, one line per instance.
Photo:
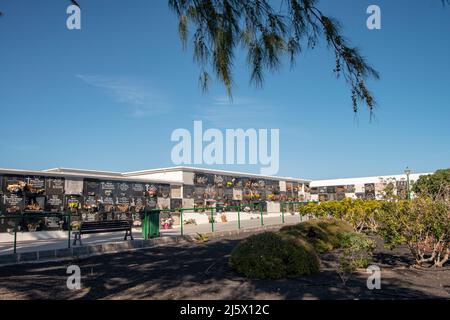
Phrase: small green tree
(423, 224)
(361, 214)
(356, 252)
(434, 185)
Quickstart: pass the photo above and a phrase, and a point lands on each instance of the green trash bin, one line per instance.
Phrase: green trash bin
(145, 224)
(154, 222)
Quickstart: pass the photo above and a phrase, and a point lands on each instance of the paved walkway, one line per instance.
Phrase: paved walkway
(60, 243)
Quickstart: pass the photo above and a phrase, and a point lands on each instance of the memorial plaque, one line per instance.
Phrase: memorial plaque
(137, 189)
(219, 181)
(152, 203)
(108, 189)
(55, 203)
(152, 190)
(176, 204)
(13, 203)
(123, 200)
(164, 190)
(228, 193)
(138, 203)
(269, 186)
(91, 187)
(13, 184)
(331, 196)
(220, 194)
(237, 194)
(401, 188)
(123, 204)
(210, 192)
(340, 196)
(124, 189)
(188, 192)
(237, 182)
(188, 203)
(163, 203)
(282, 186)
(73, 201)
(107, 200)
(247, 194)
(200, 192)
(35, 203)
(175, 192)
(246, 183)
(262, 195)
(369, 190)
(289, 187)
(90, 202)
(331, 189)
(73, 186)
(106, 204)
(35, 184)
(203, 179)
(54, 186)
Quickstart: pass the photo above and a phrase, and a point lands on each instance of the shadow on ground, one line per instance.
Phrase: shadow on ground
(202, 272)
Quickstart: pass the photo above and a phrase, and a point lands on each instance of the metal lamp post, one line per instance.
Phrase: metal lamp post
(408, 193)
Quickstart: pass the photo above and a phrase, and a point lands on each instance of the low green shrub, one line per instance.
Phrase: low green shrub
(358, 247)
(356, 253)
(274, 256)
(322, 234)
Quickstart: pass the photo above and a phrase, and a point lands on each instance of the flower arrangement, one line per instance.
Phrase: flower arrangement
(16, 187)
(75, 225)
(32, 227)
(190, 221)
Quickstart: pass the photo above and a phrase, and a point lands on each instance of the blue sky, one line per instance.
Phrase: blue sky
(109, 96)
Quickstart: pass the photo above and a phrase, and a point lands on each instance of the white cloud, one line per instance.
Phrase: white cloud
(138, 97)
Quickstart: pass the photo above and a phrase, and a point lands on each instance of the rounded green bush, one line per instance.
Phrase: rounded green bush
(323, 234)
(274, 256)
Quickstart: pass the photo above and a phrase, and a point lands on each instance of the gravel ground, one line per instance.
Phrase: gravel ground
(201, 271)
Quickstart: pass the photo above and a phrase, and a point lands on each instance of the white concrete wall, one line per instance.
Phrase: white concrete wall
(171, 176)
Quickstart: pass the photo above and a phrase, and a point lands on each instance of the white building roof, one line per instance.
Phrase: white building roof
(211, 171)
(363, 180)
(79, 174)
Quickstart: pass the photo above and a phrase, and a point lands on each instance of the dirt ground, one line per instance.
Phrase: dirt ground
(201, 271)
